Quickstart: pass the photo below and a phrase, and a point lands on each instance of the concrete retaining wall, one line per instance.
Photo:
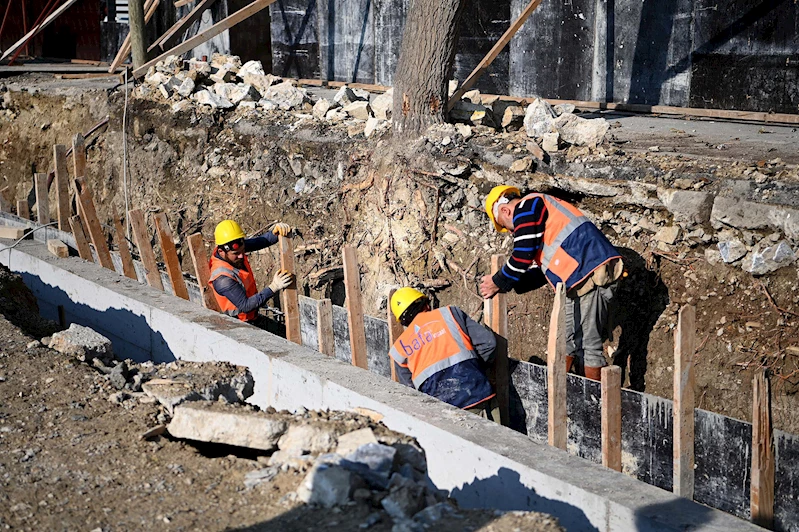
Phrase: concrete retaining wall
(483, 464)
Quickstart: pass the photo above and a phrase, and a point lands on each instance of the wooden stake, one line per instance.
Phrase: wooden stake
(124, 251)
(170, 253)
(497, 320)
(5, 203)
(124, 50)
(202, 270)
(684, 347)
(42, 201)
(395, 330)
(23, 210)
(224, 24)
(762, 485)
(171, 35)
(90, 222)
(62, 186)
(79, 163)
(556, 372)
(493, 53)
(611, 417)
(352, 284)
(289, 297)
(58, 248)
(142, 240)
(84, 251)
(324, 327)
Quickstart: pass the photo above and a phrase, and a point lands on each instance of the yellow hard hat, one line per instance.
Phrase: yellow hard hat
(227, 231)
(404, 298)
(493, 196)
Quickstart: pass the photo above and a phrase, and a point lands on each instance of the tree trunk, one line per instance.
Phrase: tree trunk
(421, 79)
(137, 39)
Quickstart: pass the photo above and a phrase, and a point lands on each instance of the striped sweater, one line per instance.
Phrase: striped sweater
(529, 218)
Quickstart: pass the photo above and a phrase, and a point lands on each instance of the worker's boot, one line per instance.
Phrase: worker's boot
(569, 362)
(593, 373)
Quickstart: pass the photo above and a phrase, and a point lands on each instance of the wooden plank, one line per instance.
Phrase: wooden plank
(556, 372)
(124, 251)
(611, 417)
(224, 24)
(202, 270)
(178, 28)
(58, 248)
(289, 297)
(324, 327)
(493, 53)
(352, 285)
(762, 484)
(124, 50)
(23, 209)
(181, 3)
(684, 346)
(170, 254)
(63, 207)
(79, 164)
(84, 251)
(11, 233)
(35, 31)
(395, 330)
(92, 224)
(141, 238)
(42, 201)
(498, 322)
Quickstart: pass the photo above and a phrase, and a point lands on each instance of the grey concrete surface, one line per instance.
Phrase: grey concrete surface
(481, 463)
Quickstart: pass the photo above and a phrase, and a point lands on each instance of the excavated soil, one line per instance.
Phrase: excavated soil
(414, 214)
(72, 457)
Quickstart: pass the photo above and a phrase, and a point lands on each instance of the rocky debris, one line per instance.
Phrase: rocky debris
(474, 113)
(286, 96)
(206, 97)
(539, 119)
(382, 105)
(178, 382)
(347, 95)
(230, 424)
(311, 438)
(769, 259)
(732, 250)
(731, 211)
(668, 234)
(227, 62)
(321, 107)
(83, 343)
(359, 109)
(580, 131)
(550, 142)
(687, 205)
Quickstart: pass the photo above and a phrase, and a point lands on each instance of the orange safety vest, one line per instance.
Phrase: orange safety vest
(571, 250)
(432, 342)
(243, 276)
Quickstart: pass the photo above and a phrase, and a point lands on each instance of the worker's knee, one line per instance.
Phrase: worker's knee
(594, 359)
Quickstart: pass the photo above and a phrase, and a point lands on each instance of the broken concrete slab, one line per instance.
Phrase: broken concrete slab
(742, 214)
(580, 131)
(687, 205)
(308, 439)
(206, 97)
(237, 425)
(82, 343)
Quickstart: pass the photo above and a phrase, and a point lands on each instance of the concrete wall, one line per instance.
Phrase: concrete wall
(483, 464)
(729, 54)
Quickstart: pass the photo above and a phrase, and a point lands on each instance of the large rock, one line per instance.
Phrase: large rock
(236, 93)
(251, 67)
(83, 343)
(770, 259)
(539, 119)
(261, 82)
(383, 104)
(360, 110)
(349, 442)
(513, 118)
(372, 125)
(742, 214)
(225, 61)
(347, 95)
(201, 69)
(580, 131)
(215, 422)
(206, 97)
(374, 462)
(327, 485)
(687, 205)
(286, 96)
(308, 438)
(186, 88)
(668, 234)
(731, 250)
(321, 107)
(156, 78)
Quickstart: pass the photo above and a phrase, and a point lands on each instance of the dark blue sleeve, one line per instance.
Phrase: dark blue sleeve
(231, 289)
(260, 242)
(404, 375)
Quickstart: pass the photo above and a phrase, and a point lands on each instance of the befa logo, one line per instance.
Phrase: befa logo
(421, 339)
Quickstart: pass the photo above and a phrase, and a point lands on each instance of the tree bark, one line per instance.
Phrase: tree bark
(137, 38)
(425, 62)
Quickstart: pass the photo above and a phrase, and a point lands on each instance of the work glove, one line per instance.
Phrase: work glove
(280, 281)
(281, 229)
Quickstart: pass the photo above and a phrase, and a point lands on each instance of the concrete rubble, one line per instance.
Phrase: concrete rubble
(83, 343)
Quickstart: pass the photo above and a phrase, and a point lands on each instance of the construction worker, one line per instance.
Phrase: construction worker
(554, 242)
(232, 279)
(444, 353)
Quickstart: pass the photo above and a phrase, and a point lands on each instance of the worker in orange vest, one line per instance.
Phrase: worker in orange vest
(444, 353)
(554, 242)
(232, 279)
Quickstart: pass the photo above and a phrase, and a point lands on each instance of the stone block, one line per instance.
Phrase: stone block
(372, 125)
(336, 115)
(472, 96)
(687, 205)
(225, 61)
(286, 96)
(83, 343)
(261, 82)
(513, 118)
(406, 498)
(563, 108)
(476, 114)
(223, 75)
(550, 142)
(742, 214)
(186, 88)
(251, 67)
(215, 422)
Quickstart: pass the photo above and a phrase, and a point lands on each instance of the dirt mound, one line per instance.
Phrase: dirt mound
(18, 305)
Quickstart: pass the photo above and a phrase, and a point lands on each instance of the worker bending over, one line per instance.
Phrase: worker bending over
(444, 353)
(553, 241)
(232, 279)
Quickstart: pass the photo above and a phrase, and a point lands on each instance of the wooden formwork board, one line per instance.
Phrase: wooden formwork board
(170, 253)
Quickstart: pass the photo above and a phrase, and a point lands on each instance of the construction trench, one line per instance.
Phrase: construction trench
(413, 215)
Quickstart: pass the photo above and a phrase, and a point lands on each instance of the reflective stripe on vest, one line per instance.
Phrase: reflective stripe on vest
(431, 351)
(243, 276)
